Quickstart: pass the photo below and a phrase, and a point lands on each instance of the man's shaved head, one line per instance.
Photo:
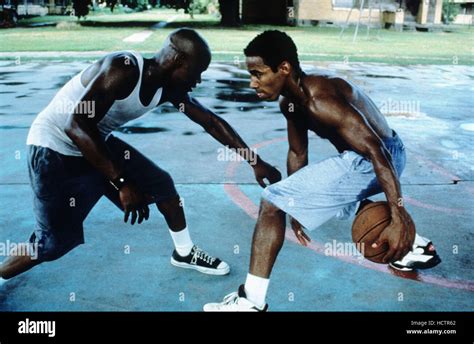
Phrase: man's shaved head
(185, 55)
(189, 43)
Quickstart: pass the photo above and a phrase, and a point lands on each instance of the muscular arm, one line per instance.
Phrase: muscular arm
(297, 156)
(297, 140)
(352, 127)
(113, 81)
(225, 134)
(215, 126)
(109, 84)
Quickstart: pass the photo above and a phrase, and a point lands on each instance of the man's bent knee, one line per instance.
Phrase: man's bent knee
(48, 248)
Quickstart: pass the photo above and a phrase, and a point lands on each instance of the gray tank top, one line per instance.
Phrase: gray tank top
(48, 127)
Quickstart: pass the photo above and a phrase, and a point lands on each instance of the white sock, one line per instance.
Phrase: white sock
(256, 289)
(182, 241)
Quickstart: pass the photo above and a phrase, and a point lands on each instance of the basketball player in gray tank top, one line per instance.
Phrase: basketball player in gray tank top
(73, 155)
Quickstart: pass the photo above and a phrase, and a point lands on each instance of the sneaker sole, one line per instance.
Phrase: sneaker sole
(207, 271)
(433, 262)
(405, 269)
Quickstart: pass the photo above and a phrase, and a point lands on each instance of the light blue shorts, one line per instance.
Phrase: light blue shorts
(332, 187)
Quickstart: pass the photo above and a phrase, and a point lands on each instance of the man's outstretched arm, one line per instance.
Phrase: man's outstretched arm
(225, 134)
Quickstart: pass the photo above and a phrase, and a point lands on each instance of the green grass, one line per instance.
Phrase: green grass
(319, 43)
(104, 17)
(102, 32)
(51, 39)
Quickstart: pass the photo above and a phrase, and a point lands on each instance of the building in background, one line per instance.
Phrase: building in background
(376, 12)
(301, 12)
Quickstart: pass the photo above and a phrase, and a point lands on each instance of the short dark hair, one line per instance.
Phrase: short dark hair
(274, 47)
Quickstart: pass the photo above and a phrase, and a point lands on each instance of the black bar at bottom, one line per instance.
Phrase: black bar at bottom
(120, 327)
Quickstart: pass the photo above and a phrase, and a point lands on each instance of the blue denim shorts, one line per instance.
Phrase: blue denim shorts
(332, 187)
(66, 188)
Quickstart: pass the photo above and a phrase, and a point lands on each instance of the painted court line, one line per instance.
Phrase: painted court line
(142, 36)
(138, 37)
(441, 170)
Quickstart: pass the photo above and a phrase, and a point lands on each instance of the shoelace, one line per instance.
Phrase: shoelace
(231, 299)
(202, 255)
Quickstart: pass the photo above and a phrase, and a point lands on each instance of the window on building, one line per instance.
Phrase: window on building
(343, 3)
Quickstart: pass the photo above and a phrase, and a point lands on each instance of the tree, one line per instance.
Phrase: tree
(229, 8)
(177, 4)
(111, 4)
(450, 11)
(81, 7)
(230, 12)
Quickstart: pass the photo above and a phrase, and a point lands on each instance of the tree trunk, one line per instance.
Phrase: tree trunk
(230, 12)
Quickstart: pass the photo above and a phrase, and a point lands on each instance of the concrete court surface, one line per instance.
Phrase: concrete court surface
(123, 268)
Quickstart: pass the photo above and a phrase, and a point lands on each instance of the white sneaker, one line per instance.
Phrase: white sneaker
(234, 302)
(422, 256)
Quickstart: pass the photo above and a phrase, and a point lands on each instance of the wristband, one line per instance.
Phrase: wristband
(118, 182)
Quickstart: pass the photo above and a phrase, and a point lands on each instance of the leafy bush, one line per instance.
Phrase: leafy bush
(450, 11)
(202, 6)
(191, 6)
(136, 5)
(81, 7)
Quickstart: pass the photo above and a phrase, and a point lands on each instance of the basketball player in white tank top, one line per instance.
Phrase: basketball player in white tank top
(118, 88)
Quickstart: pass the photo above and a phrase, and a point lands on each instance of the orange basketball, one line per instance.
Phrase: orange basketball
(369, 223)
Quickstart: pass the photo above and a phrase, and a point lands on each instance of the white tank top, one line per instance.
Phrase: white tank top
(48, 127)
